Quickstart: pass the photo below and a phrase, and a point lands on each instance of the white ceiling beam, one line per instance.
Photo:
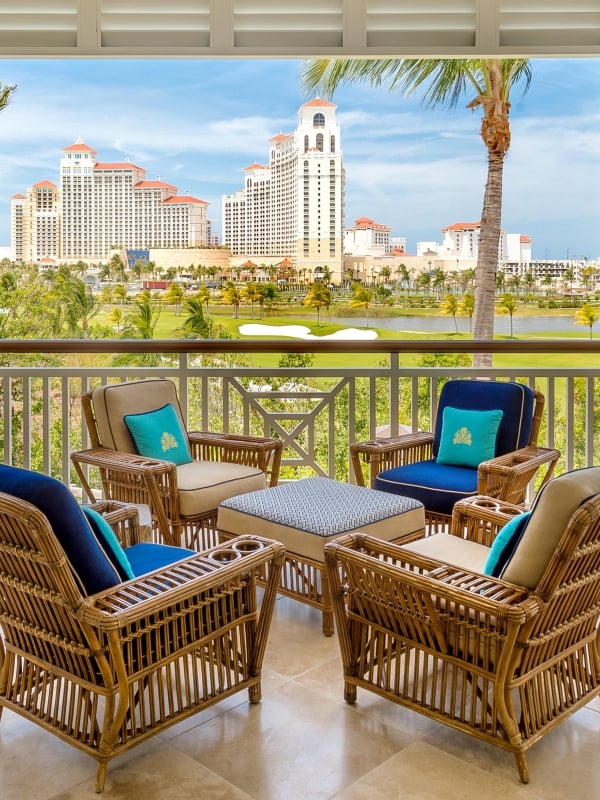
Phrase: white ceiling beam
(298, 28)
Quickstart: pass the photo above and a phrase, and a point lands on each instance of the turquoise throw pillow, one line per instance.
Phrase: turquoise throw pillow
(159, 434)
(109, 543)
(468, 437)
(505, 544)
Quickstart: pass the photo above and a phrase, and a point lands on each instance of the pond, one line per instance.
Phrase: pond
(445, 324)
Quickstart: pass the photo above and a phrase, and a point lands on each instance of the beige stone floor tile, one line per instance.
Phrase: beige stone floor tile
(563, 764)
(35, 764)
(270, 681)
(295, 744)
(296, 642)
(327, 679)
(304, 742)
(422, 772)
(170, 775)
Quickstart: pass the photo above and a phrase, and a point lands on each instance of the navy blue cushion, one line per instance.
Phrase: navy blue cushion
(437, 486)
(87, 558)
(147, 557)
(515, 400)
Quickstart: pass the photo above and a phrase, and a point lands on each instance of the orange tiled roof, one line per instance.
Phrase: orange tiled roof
(153, 185)
(366, 222)
(186, 198)
(18, 197)
(526, 239)
(117, 165)
(45, 185)
(461, 226)
(78, 146)
(320, 102)
(280, 137)
(256, 166)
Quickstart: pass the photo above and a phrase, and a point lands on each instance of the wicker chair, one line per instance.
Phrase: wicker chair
(183, 498)
(410, 465)
(489, 656)
(106, 671)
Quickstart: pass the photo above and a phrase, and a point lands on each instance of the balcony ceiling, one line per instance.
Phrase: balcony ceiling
(296, 28)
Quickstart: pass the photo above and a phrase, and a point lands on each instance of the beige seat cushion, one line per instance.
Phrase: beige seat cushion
(553, 507)
(203, 485)
(451, 550)
(111, 403)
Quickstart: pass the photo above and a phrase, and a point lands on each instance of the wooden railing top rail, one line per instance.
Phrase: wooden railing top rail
(297, 346)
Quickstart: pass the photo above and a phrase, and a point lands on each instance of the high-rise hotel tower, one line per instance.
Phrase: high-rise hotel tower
(101, 208)
(294, 206)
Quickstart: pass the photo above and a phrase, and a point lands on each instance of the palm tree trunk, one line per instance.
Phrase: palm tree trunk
(487, 257)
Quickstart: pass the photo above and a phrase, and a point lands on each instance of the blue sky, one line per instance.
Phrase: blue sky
(197, 123)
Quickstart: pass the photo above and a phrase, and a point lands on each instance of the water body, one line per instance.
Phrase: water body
(445, 324)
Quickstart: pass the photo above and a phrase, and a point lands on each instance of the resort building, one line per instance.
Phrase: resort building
(293, 206)
(35, 223)
(461, 240)
(367, 238)
(101, 208)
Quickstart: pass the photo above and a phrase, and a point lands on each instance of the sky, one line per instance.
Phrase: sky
(198, 123)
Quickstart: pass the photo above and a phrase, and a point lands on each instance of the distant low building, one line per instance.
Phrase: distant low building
(367, 238)
(461, 240)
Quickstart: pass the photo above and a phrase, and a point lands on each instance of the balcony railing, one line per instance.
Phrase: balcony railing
(318, 411)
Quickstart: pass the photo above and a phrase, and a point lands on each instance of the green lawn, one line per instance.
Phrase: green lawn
(170, 325)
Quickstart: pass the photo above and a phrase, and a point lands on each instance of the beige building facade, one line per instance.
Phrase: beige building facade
(293, 207)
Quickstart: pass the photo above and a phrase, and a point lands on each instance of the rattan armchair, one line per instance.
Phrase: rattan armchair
(107, 671)
(408, 464)
(183, 499)
(498, 660)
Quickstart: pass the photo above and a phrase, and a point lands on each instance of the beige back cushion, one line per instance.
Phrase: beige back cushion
(552, 510)
(111, 403)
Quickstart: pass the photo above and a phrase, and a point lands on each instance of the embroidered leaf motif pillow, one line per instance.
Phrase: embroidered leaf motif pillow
(468, 437)
(159, 434)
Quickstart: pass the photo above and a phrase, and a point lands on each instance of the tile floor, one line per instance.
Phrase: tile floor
(303, 742)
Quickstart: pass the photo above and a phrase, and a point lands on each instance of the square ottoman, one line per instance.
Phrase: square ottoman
(306, 514)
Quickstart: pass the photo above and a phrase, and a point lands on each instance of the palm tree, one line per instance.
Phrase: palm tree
(120, 293)
(252, 294)
(196, 322)
(361, 298)
(78, 303)
(140, 324)
(586, 315)
(6, 92)
(508, 305)
(318, 296)
(203, 296)
(116, 317)
(467, 307)
(174, 295)
(443, 82)
(568, 278)
(450, 305)
(232, 297)
(403, 276)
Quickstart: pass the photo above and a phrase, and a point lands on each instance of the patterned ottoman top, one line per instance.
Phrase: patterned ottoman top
(321, 505)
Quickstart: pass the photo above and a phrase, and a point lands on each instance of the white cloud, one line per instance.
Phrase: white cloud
(198, 123)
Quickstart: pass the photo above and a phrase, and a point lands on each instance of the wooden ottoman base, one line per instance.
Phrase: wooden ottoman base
(306, 514)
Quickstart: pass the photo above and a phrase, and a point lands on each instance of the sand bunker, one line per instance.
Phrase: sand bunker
(302, 332)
